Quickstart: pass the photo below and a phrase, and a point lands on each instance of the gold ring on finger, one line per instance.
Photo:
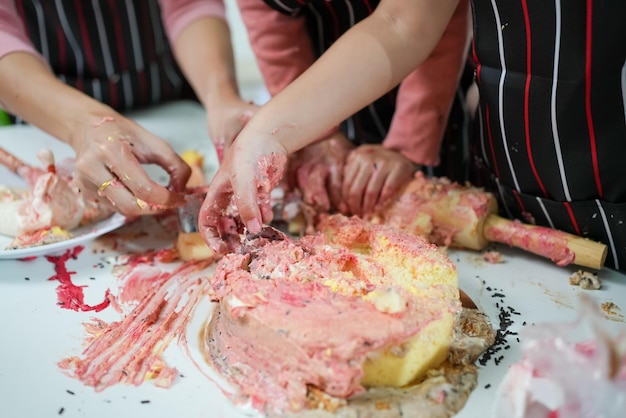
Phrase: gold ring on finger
(104, 185)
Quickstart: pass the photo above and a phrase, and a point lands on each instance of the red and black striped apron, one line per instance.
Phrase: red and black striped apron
(113, 50)
(552, 118)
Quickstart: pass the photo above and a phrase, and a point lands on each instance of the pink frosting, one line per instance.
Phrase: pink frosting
(291, 314)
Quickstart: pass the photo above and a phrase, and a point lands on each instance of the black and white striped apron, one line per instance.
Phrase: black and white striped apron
(113, 50)
(552, 118)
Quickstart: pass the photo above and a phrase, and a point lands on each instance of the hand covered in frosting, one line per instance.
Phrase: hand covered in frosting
(372, 175)
(241, 186)
(317, 171)
(226, 120)
(109, 154)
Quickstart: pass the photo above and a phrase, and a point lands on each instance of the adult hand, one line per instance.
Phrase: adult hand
(243, 183)
(226, 120)
(109, 154)
(372, 175)
(317, 171)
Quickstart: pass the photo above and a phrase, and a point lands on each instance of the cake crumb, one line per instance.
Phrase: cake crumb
(585, 280)
(493, 257)
(381, 405)
(610, 308)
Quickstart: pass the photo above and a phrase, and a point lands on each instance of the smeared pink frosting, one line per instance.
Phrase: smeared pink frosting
(446, 209)
(291, 313)
(542, 241)
(51, 199)
(103, 120)
(160, 304)
(71, 296)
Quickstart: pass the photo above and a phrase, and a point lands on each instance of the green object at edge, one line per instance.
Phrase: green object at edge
(4, 119)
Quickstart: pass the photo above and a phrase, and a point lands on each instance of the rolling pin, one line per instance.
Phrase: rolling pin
(466, 217)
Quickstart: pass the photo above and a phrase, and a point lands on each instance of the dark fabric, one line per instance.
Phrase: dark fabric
(552, 127)
(113, 50)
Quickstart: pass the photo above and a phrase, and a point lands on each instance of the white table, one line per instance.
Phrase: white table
(35, 333)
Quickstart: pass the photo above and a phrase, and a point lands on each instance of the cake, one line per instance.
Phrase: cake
(50, 205)
(352, 307)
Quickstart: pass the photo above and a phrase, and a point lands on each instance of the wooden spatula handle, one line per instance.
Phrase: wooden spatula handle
(558, 246)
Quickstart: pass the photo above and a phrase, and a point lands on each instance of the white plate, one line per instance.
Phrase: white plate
(24, 142)
(81, 236)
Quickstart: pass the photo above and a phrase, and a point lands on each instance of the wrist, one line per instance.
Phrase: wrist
(218, 90)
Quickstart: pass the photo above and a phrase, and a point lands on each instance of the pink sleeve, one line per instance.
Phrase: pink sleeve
(425, 96)
(13, 36)
(177, 14)
(280, 43)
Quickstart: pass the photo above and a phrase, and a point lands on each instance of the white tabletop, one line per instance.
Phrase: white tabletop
(35, 333)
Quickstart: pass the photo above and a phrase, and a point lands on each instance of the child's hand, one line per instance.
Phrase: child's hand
(243, 183)
(373, 175)
(317, 171)
(109, 152)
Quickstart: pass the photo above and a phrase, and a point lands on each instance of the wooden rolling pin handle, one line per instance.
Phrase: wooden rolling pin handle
(559, 246)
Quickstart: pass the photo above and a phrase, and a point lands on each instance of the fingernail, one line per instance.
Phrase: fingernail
(254, 226)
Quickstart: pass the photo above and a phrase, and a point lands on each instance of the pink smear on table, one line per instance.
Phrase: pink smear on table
(69, 295)
(159, 303)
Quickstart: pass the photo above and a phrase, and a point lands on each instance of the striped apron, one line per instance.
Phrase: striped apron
(113, 50)
(552, 118)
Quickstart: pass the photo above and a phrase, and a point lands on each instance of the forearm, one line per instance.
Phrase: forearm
(30, 90)
(426, 95)
(204, 52)
(362, 65)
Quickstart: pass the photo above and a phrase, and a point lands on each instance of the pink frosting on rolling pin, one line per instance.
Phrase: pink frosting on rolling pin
(539, 240)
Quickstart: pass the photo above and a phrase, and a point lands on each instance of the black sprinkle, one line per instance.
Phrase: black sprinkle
(145, 401)
(502, 333)
(488, 385)
(92, 278)
(61, 411)
(524, 323)
(26, 278)
(70, 392)
(488, 288)
(497, 295)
